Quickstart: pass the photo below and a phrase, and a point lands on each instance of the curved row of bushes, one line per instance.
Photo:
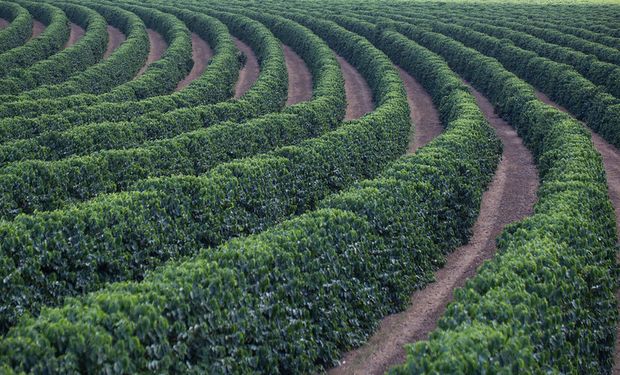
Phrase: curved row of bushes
(588, 102)
(290, 299)
(160, 78)
(546, 302)
(86, 52)
(120, 236)
(598, 72)
(51, 40)
(20, 28)
(214, 85)
(199, 144)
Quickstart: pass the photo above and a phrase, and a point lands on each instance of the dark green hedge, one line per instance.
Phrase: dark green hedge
(124, 234)
(585, 100)
(20, 28)
(546, 302)
(290, 299)
(214, 85)
(60, 66)
(51, 40)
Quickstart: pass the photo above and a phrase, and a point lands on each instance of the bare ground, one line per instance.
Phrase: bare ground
(158, 47)
(424, 115)
(510, 197)
(76, 33)
(115, 38)
(250, 71)
(4, 23)
(299, 77)
(611, 163)
(359, 96)
(201, 54)
(37, 28)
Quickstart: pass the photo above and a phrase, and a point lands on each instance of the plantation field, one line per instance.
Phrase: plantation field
(301, 187)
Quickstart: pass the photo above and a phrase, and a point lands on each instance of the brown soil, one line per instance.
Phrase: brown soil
(158, 47)
(510, 197)
(115, 38)
(611, 163)
(4, 23)
(76, 33)
(37, 28)
(299, 77)
(359, 96)
(250, 71)
(201, 54)
(424, 115)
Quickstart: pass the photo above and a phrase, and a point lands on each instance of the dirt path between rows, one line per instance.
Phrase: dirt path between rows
(201, 54)
(359, 96)
(611, 163)
(299, 77)
(158, 47)
(510, 197)
(115, 38)
(424, 115)
(37, 28)
(250, 71)
(76, 33)
(4, 23)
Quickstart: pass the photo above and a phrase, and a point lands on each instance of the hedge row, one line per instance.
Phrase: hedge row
(120, 236)
(546, 302)
(20, 28)
(51, 40)
(160, 78)
(588, 102)
(599, 72)
(213, 86)
(51, 185)
(86, 52)
(290, 299)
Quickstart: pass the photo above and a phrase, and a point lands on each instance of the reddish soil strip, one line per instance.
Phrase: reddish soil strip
(37, 28)
(611, 163)
(299, 77)
(201, 54)
(424, 116)
(510, 197)
(4, 23)
(115, 38)
(250, 71)
(76, 33)
(359, 96)
(158, 47)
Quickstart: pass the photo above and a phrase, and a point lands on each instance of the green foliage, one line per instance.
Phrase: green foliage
(20, 28)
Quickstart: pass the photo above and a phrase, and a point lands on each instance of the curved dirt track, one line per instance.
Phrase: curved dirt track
(250, 71)
(510, 197)
(359, 96)
(115, 38)
(158, 47)
(201, 54)
(299, 77)
(4, 23)
(37, 28)
(76, 33)
(611, 163)
(424, 115)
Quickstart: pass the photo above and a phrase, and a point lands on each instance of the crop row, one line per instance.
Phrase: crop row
(289, 299)
(50, 41)
(178, 214)
(548, 294)
(87, 51)
(20, 28)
